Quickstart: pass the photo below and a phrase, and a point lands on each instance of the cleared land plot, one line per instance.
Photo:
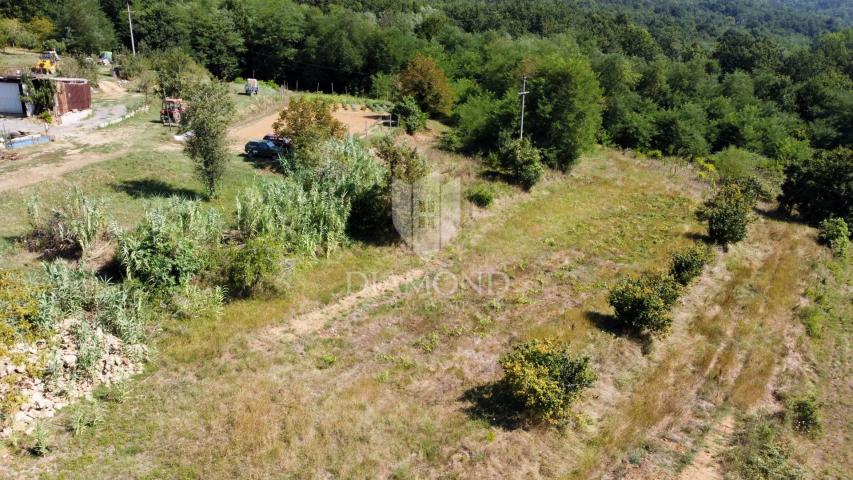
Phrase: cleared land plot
(397, 384)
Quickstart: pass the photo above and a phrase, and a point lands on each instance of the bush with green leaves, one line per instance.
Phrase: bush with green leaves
(546, 377)
(820, 188)
(728, 214)
(835, 233)
(253, 265)
(63, 291)
(643, 303)
(70, 228)
(521, 161)
(481, 194)
(19, 306)
(409, 115)
(68, 291)
(308, 122)
(687, 264)
(171, 244)
(805, 415)
(402, 160)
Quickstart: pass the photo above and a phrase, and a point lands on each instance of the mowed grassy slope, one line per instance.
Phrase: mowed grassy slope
(142, 165)
(399, 386)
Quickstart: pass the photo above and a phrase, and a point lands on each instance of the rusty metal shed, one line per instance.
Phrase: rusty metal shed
(72, 94)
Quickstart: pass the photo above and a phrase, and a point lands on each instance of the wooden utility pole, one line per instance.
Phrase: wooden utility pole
(523, 94)
(130, 24)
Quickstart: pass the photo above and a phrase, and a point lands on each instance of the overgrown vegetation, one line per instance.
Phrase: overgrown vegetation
(820, 188)
(68, 229)
(757, 453)
(170, 246)
(835, 233)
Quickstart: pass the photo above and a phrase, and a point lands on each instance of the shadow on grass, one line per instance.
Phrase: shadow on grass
(495, 404)
(152, 188)
(609, 324)
(262, 163)
(699, 237)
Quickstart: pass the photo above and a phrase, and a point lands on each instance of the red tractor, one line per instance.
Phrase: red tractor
(172, 111)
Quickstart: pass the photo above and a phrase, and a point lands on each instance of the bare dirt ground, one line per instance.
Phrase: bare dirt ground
(111, 89)
(35, 174)
(357, 122)
(706, 466)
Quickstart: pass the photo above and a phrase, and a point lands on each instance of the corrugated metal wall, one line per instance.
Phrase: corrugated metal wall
(72, 95)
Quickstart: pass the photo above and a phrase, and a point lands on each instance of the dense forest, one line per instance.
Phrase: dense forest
(765, 84)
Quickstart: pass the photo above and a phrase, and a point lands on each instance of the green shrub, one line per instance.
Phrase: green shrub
(19, 305)
(521, 161)
(757, 454)
(409, 115)
(642, 304)
(122, 310)
(813, 320)
(656, 154)
(403, 160)
(728, 214)
(170, 245)
(805, 414)
(734, 163)
(546, 377)
(71, 227)
(688, 264)
(67, 292)
(820, 188)
(835, 233)
(481, 194)
(253, 265)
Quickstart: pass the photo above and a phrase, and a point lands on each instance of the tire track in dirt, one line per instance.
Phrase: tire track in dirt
(315, 320)
(38, 173)
(706, 465)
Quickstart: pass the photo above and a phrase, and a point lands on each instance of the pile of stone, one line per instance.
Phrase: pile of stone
(40, 378)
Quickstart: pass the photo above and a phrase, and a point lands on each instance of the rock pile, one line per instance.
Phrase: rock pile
(40, 378)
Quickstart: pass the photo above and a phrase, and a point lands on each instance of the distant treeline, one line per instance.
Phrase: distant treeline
(687, 77)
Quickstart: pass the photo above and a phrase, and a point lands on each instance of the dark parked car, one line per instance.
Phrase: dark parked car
(263, 148)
